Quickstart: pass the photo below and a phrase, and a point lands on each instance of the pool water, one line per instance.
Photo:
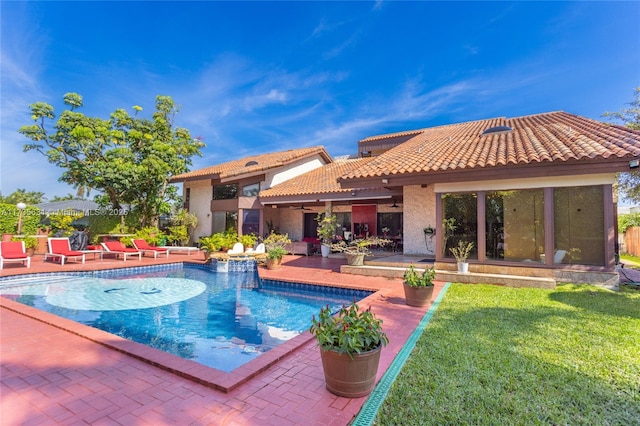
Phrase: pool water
(218, 320)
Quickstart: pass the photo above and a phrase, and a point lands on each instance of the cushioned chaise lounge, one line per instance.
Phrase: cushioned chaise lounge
(13, 251)
(144, 247)
(59, 248)
(117, 248)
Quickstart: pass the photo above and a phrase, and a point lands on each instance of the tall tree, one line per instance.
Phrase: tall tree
(23, 196)
(129, 159)
(629, 182)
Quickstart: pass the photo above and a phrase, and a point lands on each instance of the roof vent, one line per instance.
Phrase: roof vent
(251, 163)
(497, 130)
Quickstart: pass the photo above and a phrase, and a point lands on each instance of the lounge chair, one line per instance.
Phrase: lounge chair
(237, 250)
(144, 247)
(60, 248)
(260, 249)
(117, 248)
(13, 251)
(180, 249)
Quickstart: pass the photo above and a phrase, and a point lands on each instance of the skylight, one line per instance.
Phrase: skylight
(497, 130)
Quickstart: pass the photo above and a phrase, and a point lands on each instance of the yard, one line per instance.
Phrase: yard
(498, 355)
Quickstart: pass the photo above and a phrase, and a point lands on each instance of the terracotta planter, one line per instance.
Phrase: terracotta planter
(351, 378)
(417, 296)
(356, 259)
(273, 263)
(7, 237)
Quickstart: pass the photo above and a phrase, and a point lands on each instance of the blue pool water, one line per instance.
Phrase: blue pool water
(219, 320)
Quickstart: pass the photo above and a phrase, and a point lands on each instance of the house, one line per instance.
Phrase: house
(532, 193)
(226, 195)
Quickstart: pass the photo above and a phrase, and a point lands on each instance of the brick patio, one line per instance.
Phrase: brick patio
(53, 376)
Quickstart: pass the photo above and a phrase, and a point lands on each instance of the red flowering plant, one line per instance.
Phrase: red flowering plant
(350, 331)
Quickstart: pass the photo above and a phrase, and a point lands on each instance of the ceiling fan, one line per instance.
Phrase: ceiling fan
(299, 208)
(394, 205)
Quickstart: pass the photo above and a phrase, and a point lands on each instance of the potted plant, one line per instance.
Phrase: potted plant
(461, 253)
(350, 345)
(274, 257)
(356, 250)
(326, 231)
(275, 246)
(418, 288)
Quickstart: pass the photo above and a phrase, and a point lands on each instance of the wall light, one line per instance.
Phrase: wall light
(385, 181)
(353, 194)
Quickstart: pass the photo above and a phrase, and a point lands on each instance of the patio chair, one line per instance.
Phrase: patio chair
(117, 248)
(60, 248)
(13, 251)
(260, 249)
(237, 250)
(144, 247)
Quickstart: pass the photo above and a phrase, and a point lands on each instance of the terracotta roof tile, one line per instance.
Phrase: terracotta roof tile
(322, 180)
(540, 138)
(246, 166)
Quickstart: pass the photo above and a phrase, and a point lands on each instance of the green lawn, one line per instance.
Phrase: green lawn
(632, 261)
(505, 356)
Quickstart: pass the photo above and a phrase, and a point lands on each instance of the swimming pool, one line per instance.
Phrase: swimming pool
(218, 320)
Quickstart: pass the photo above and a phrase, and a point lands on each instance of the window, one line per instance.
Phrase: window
(515, 225)
(460, 222)
(250, 222)
(225, 192)
(251, 190)
(390, 221)
(579, 225)
(224, 221)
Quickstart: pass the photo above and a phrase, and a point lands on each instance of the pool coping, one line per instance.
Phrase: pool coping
(191, 370)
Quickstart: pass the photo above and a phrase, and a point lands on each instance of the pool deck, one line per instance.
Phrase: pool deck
(52, 376)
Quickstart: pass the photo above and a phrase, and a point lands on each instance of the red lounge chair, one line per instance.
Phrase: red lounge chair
(116, 247)
(60, 248)
(144, 247)
(13, 251)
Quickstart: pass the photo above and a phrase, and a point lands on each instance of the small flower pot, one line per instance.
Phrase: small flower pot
(463, 267)
(325, 250)
(273, 263)
(417, 296)
(351, 378)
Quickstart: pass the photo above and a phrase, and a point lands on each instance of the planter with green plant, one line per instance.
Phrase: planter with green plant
(418, 288)
(350, 345)
(461, 253)
(326, 231)
(356, 250)
(275, 246)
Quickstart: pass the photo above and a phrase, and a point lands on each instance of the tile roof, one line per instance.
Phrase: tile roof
(555, 137)
(322, 180)
(252, 164)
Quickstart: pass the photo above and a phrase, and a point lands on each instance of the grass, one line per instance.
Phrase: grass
(506, 356)
(633, 261)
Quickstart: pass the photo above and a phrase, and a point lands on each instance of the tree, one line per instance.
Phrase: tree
(629, 182)
(129, 159)
(22, 196)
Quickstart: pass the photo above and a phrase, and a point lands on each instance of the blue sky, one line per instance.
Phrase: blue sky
(267, 76)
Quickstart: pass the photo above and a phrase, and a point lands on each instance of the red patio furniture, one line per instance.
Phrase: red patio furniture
(59, 248)
(144, 247)
(117, 248)
(13, 251)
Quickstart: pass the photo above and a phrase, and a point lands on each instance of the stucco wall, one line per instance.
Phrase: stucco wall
(292, 170)
(419, 208)
(200, 205)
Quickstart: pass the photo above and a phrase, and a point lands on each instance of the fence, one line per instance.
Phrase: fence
(632, 240)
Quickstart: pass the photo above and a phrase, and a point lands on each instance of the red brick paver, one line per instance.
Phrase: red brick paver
(52, 376)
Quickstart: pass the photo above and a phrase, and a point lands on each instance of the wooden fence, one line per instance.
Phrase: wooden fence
(632, 240)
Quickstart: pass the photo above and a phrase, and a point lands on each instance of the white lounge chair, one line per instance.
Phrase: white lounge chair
(13, 251)
(237, 250)
(60, 248)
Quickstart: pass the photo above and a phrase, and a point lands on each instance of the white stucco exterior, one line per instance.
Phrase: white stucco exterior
(200, 205)
(419, 211)
(276, 176)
